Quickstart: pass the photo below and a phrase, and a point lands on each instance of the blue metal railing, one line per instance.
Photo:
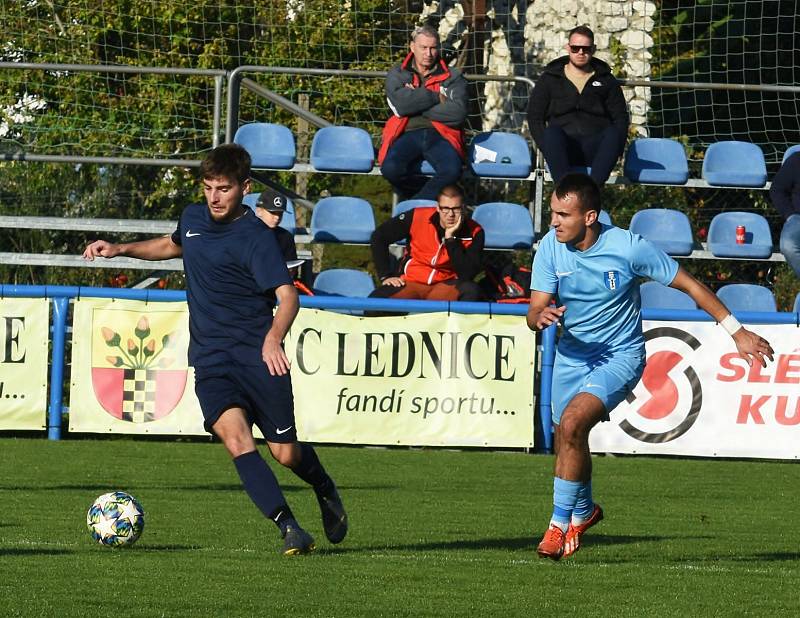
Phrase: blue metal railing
(62, 294)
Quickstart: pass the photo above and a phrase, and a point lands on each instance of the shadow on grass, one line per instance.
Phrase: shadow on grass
(31, 551)
(133, 487)
(160, 548)
(510, 544)
(786, 556)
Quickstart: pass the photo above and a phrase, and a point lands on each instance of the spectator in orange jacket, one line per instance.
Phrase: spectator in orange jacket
(428, 100)
(443, 256)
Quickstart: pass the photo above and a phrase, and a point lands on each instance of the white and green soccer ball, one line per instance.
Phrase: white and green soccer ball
(115, 519)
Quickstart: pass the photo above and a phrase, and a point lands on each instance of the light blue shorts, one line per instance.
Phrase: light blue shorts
(609, 378)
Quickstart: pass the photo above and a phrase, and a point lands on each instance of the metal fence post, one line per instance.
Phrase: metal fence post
(60, 306)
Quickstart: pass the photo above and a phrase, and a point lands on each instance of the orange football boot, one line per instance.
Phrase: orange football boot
(552, 544)
(572, 542)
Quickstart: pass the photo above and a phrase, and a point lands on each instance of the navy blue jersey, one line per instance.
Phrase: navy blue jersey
(232, 270)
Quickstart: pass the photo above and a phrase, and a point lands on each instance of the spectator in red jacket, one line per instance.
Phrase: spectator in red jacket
(428, 101)
(444, 252)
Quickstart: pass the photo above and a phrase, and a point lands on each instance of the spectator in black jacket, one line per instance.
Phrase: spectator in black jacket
(577, 113)
(271, 208)
(785, 195)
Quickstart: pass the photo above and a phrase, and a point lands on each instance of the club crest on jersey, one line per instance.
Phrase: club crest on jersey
(611, 279)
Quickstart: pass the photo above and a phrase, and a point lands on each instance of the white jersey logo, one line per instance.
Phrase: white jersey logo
(190, 235)
(564, 274)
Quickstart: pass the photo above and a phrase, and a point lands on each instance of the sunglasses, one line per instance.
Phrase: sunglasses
(586, 49)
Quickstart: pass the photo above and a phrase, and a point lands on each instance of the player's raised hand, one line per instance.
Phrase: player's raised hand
(273, 354)
(100, 248)
(550, 315)
(752, 347)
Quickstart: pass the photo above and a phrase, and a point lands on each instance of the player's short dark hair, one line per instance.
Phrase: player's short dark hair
(583, 31)
(227, 161)
(581, 186)
(451, 191)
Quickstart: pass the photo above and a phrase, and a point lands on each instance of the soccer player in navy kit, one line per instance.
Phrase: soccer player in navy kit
(594, 271)
(235, 273)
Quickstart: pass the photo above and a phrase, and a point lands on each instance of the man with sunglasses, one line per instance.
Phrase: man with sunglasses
(577, 113)
(443, 255)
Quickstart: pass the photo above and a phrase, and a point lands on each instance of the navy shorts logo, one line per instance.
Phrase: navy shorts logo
(611, 279)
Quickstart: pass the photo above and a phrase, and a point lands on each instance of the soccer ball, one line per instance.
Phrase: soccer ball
(115, 519)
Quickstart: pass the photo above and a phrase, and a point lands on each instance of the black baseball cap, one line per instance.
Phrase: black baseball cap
(272, 201)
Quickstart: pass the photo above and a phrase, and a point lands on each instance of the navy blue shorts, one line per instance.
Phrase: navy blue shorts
(266, 399)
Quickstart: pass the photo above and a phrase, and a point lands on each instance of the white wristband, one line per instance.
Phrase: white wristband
(730, 324)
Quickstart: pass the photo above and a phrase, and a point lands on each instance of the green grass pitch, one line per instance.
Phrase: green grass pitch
(433, 533)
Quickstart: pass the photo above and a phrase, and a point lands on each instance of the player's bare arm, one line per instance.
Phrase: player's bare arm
(541, 313)
(154, 249)
(750, 346)
(272, 350)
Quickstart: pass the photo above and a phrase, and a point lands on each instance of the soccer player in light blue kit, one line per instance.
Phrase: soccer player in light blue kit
(594, 270)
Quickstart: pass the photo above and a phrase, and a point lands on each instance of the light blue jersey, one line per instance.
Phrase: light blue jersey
(600, 289)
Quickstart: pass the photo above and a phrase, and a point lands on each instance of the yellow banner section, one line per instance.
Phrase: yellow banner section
(129, 369)
(426, 379)
(24, 328)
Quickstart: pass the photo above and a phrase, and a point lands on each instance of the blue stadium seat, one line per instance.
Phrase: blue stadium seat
(506, 225)
(734, 164)
(347, 282)
(667, 229)
(656, 295)
(343, 282)
(747, 297)
(722, 236)
(269, 145)
(287, 221)
(796, 308)
(511, 153)
(409, 204)
(342, 219)
(342, 149)
(789, 152)
(656, 160)
(604, 218)
(422, 167)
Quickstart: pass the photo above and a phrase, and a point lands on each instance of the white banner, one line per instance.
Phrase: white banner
(23, 362)
(429, 379)
(698, 397)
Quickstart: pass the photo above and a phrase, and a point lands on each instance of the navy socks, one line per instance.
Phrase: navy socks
(311, 471)
(262, 487)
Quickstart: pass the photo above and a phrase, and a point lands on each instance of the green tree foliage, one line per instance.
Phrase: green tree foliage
(158, 116)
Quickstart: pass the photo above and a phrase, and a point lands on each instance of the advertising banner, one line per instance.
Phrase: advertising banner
(698, 397)
(426, 379)
(24, 333)
(129, 369)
